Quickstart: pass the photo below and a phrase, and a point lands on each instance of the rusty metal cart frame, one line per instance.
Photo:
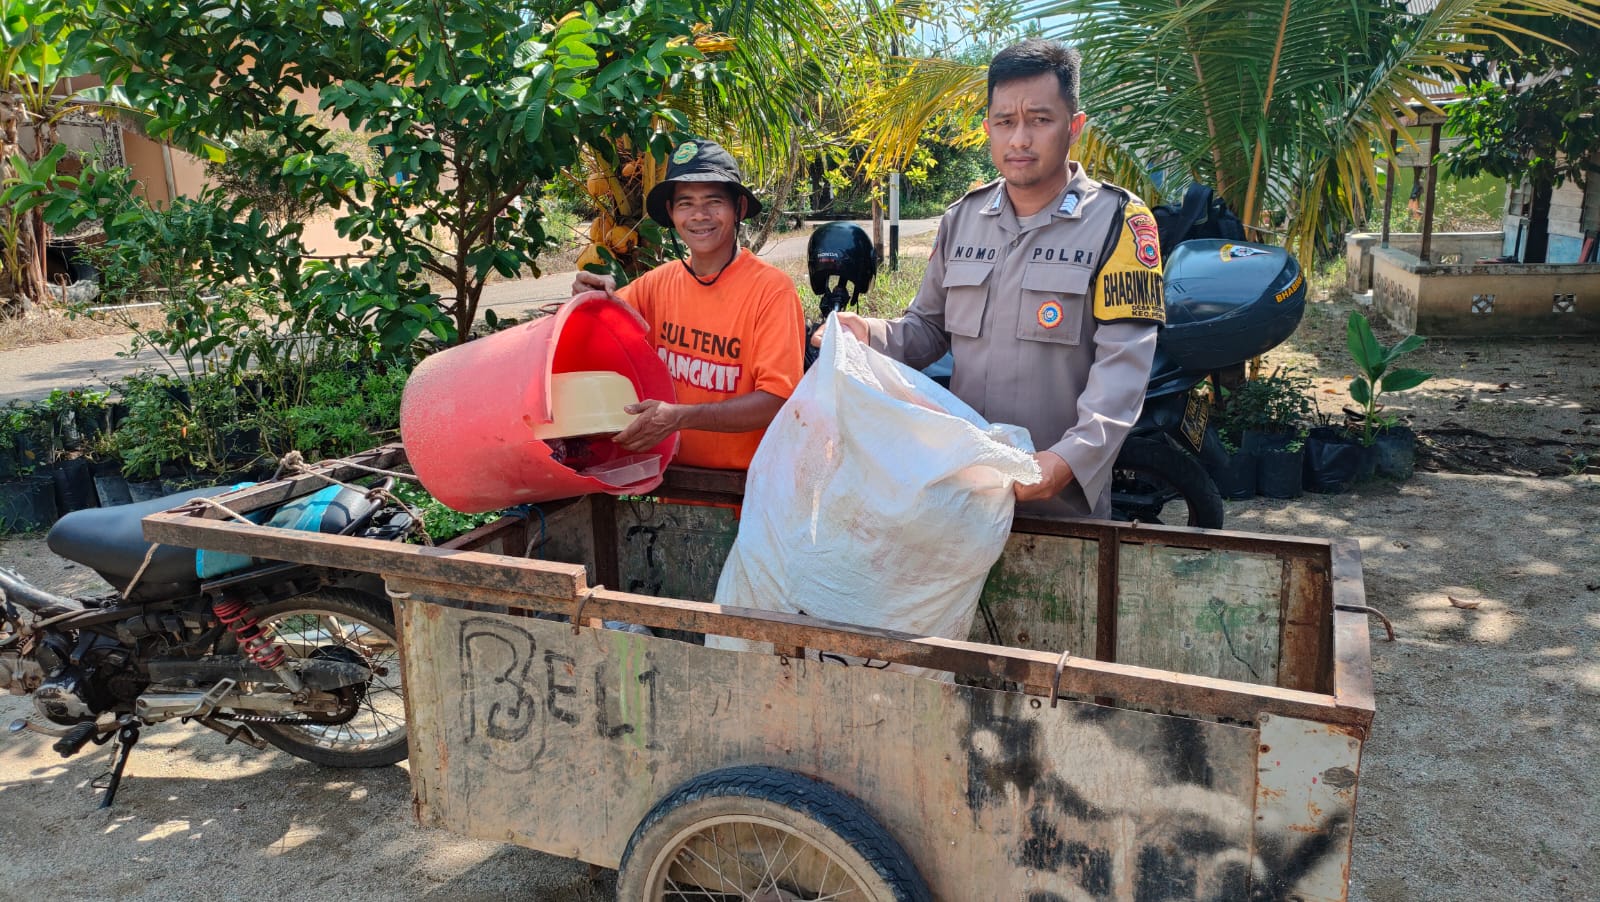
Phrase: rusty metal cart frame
(1038, 774)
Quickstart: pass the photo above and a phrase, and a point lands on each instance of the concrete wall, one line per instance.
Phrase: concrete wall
(145, 159)
(1448, 247)
(1500, 299)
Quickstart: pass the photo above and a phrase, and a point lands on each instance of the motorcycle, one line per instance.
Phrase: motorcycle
(1227, 302)
(267, 653)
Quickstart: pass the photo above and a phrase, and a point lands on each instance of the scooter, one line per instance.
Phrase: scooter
(304, 658)
(1227, 302)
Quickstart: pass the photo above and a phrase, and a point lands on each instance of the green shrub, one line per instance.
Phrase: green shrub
(1279, 403)
(155, 432)
(345, 410)
(442, 523)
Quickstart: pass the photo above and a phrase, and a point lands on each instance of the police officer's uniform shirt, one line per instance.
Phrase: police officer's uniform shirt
(1052, 320)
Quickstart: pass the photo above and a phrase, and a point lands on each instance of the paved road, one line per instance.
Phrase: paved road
(30, 373)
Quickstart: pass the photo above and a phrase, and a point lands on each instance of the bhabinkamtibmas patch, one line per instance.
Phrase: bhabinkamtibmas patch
(1129, 286)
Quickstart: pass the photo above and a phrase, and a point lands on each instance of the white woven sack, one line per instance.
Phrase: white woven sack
(876, 498)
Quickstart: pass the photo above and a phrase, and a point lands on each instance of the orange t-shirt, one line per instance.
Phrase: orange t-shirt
(742, 334)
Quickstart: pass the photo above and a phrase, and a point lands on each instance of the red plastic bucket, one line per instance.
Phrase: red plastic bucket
(468, 413)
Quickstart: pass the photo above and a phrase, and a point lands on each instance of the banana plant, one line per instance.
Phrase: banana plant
(1376, 374)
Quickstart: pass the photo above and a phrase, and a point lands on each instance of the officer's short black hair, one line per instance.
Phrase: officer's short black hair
(1034, 57)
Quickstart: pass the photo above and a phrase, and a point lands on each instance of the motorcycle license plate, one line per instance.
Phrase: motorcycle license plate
(1195, 416)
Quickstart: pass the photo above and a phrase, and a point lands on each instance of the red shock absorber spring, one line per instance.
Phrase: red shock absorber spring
(253, 639)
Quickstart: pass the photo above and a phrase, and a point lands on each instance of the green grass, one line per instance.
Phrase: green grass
(891, 292)
(889, 296)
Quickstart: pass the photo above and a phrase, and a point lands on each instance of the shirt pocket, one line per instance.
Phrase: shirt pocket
(966, 293)
(1052, 302)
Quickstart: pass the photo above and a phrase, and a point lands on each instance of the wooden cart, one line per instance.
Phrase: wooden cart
(1142, 713)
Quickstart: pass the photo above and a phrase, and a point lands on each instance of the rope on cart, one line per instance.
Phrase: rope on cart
(294, 463)
(151, 553)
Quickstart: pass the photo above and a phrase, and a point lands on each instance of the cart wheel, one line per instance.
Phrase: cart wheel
(759, 833)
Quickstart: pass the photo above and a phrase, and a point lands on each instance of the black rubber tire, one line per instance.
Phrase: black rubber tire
(299, 741)
(823, 815)
(1152, 467)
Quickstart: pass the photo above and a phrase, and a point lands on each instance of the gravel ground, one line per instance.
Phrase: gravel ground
(1479, 781)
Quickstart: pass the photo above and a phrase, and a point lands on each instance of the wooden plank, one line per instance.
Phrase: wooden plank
(1081, 678)
(1352, 648)
(1177, 537)
(1200, 612)
(1305, 811)
(507, 535)
(726, 483)
(992, 795)
(673, 550)
(1388, 192)
(603, 522)
(545, 579)
(1107, 592)
(569, 537)
(1422, 117)
(1304, 662)
(282, 491)
(1041, 592)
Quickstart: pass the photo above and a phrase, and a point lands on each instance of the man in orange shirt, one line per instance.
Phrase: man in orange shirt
(728, 325)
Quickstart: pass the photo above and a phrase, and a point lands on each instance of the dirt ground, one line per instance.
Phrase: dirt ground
(1479, 781)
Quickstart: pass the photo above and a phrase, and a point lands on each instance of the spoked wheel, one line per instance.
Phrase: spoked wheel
(1153, 482)
(356, 629)
(758, 834)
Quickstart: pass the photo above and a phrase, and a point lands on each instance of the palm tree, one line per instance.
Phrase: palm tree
(1282, 105)
(770, 59)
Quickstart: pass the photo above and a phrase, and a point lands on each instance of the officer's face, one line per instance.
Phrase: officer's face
(1030, 130)
(706, 216)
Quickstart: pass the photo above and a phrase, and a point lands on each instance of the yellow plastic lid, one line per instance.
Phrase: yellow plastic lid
(588, 403)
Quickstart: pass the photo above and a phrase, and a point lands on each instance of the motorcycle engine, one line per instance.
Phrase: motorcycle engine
(84, 680)
(61, 700)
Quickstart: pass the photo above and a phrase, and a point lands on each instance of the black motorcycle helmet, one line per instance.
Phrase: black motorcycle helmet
(840, 261)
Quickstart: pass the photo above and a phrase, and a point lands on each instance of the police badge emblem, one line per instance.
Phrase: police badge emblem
(1050, 314)
(1146, 244)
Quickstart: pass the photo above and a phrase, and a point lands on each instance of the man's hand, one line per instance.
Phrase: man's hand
(850, 321)
(1057, 476)
(593, 281)
(655, 421)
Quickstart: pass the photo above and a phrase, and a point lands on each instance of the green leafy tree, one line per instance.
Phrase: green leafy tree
(36, 72)
(1532, 111)
(472, 106)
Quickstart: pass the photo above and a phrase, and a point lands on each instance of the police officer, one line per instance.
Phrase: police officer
(1045, 286)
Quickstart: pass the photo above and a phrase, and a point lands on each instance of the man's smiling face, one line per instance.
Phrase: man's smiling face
(706, 216)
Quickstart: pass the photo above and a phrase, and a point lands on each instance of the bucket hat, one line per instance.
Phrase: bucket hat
(698, 161)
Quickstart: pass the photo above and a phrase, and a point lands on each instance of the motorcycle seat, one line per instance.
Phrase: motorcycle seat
(110, 540)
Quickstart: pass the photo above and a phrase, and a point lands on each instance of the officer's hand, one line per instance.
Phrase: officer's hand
(850, 321)
(1057, 476)
(593, 281)
(655, 421)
